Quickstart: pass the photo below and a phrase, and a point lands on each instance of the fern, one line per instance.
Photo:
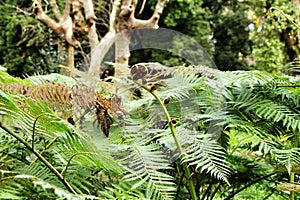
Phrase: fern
(43, 132)
(207, 155)
(198, 120)
(286, 157)
(144, 165)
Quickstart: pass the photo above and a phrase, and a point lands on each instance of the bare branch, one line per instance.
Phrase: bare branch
(114, 15)
(41, 16)
(67, 9)
(142, 7)
(153, 21)
(97, 56)
(55, 9)
(127, 8)
(24, 12)
(91, 22)
(67, 27)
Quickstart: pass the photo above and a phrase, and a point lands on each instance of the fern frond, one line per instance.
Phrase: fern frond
(5, 78)
(207, 156)
(83, 151)
(144, 164)
(121, 191)
(180, 86)
(267, 109)
(28, 186)
(63, 99)
(287, 157)
(52, 78)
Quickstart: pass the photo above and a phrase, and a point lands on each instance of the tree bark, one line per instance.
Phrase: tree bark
(70, 27)
(122, 18)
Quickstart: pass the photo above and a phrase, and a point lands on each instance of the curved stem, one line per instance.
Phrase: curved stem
(41, 158)
(174, 134)
(33, 130)
(69, 161)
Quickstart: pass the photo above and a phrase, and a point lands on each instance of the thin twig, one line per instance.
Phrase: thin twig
(179, 185)
(248, 185)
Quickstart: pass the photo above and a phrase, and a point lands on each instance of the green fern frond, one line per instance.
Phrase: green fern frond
(286, 157)
(180, 86)
(5, 78)
(28, 186)
(277, 113)
(53, 78)
(144, 164)
(83, 151)
(207, 155)
(122, 191)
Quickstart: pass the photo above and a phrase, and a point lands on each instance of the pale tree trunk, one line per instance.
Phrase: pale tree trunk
(122, 18)
(70, 26)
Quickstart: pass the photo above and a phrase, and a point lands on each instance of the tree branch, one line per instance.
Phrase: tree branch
(91, 22)
(99, 53)
(41, 16)
(55, 9)
(67, 10)
(153, 21)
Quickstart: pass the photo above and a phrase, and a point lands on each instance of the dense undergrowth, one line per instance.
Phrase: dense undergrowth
(189, 133)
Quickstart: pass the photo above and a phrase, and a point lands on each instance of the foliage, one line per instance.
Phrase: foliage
(239, 128)
(25, 47)
(276, 36)
(247, 35)
(255, 34)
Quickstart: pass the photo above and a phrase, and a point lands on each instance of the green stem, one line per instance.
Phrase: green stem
(33, 130)
(50, 167)
(174, 134)
(292, 180)
(70, 159)
(292, 175)
(47, 147)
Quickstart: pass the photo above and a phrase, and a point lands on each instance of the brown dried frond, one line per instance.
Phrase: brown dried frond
(81, 98)
(46, 92)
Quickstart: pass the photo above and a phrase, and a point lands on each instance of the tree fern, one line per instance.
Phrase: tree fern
(145, 164)
(208, 156)
(43, 132)
(197, 120)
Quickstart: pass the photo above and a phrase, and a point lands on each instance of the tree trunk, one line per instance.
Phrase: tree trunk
(122, 54)
(70, 27)
(122, 18)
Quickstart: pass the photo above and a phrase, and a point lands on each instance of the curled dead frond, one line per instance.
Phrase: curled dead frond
(80, 98)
